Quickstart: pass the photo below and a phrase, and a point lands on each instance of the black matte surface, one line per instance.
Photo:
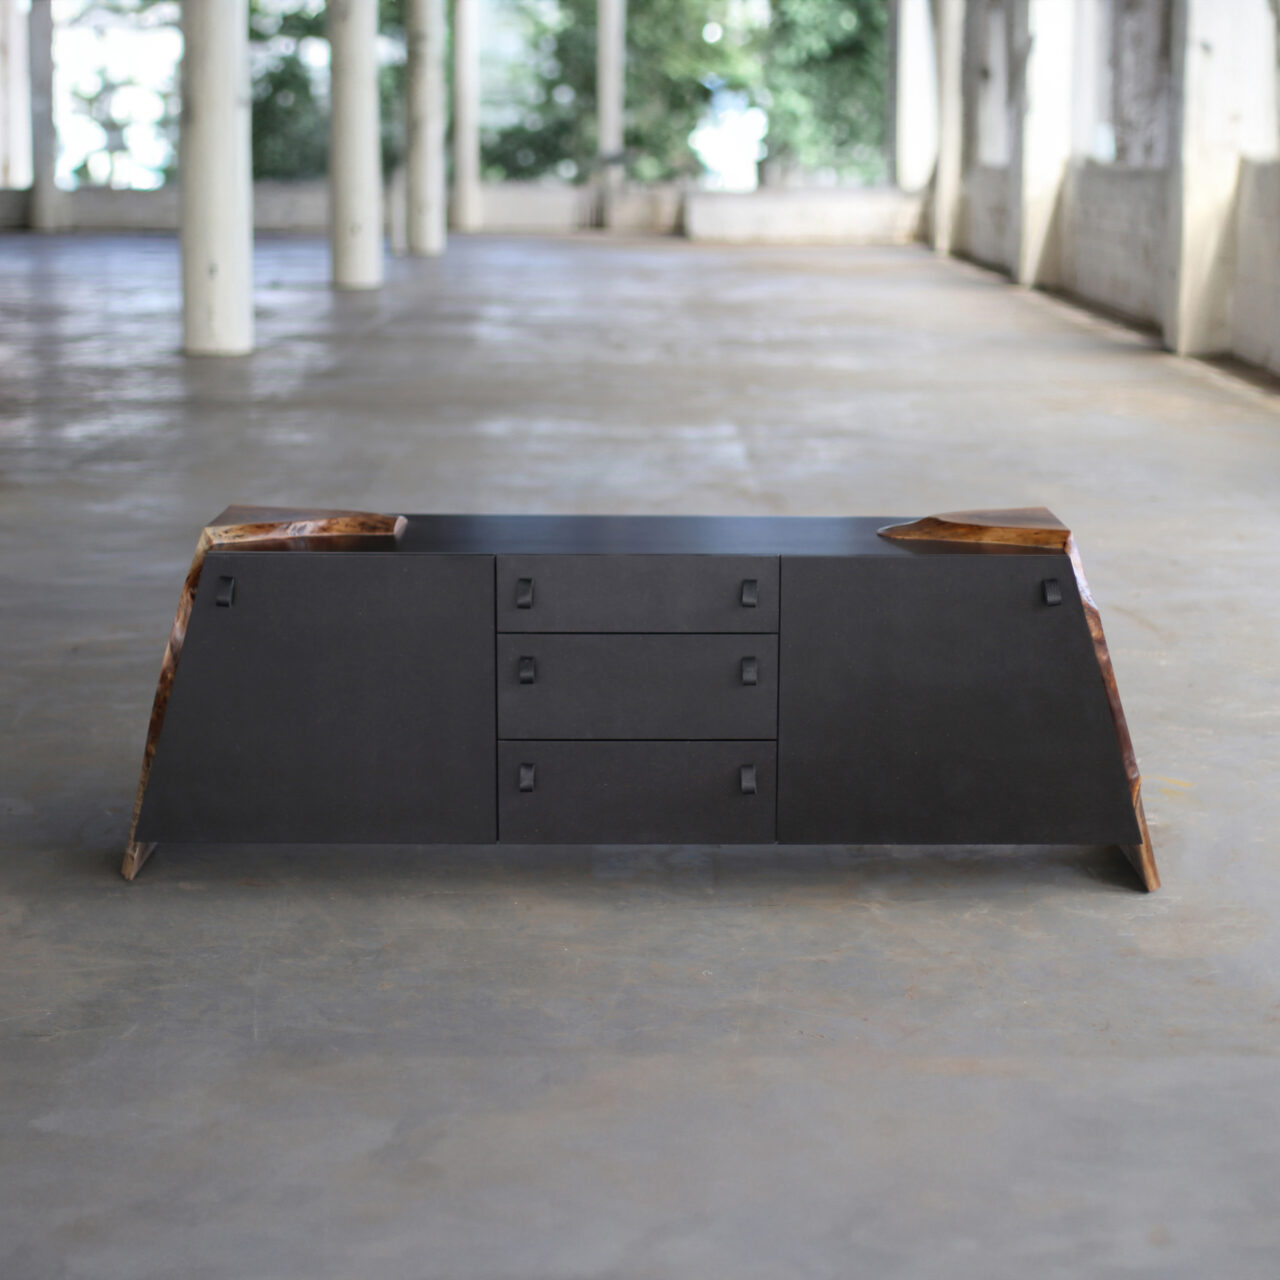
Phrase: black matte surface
(637, 593)
(340, 698)
(672, 535)
(637, 686)
(943, 702)
(636, 793)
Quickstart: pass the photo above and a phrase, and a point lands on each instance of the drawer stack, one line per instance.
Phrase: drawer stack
(637, 698)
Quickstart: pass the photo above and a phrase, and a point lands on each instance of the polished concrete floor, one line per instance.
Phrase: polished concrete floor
(629, 1062)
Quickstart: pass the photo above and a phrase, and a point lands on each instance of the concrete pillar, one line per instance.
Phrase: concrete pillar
(611, 92)
(949, 28)
(1043, 59)
(217, 181)
(1224, 108)
(1140, 103)
(355, 145)
(468, 213)
(47, 206)
(15, 97)
(913, 112)
(424, 151)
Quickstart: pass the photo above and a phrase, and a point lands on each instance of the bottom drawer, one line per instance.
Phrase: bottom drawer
(637, 792)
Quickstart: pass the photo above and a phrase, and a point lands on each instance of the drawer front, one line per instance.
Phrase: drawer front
(580, 686)
(636, 792)
(638, 593)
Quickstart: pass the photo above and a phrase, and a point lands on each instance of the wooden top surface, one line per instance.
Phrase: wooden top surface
(649, 535)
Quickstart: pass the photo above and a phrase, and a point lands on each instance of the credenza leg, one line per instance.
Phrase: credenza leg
(1142, 856)
(135, 854)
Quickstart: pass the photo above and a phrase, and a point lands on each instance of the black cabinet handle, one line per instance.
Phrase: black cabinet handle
(750, 593)
(750, 671)
(1052, 590)
(528, 670)
(528, 776)
(747, 780)
(225, 596)
(524, 593)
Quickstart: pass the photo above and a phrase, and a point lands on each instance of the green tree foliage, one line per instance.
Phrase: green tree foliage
(823, 85)
(290, 126)
(671, 74)
(290, 119)
(817, 67)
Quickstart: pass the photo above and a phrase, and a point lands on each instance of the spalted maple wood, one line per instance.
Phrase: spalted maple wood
(1019, 526)
(1039, 527)
(245, 528)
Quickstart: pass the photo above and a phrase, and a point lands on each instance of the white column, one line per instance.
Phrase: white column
(914, 107)
(1044, 53)
(611, 92)
(1224, 108)
(424, 159)
(1093, 130)
(949, 173)
(46, 202)
(15, 97)
(355, 145)
(468, 213)
(217, 182)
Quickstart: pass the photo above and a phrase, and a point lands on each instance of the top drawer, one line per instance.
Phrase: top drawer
(637, 593)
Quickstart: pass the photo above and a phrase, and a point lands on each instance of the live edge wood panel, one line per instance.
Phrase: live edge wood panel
(598, 679)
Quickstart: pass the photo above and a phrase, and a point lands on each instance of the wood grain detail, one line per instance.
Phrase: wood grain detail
(246, 528)
(1039, 527)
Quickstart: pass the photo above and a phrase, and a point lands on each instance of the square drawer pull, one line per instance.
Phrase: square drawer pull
(528, 670)
(524, 593)
(528, 776)
(747, 780)
(750, 671)
(750, 593)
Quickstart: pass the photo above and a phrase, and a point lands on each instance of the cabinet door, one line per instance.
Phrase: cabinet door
(939, 699)
(338, 697)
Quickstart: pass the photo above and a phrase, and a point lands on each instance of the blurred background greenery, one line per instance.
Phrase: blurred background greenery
(792, 89)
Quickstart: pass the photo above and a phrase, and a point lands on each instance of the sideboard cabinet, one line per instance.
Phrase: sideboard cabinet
(340, 676)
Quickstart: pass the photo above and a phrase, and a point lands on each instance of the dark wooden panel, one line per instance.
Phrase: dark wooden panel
(629, 686)
(340, 697)
(637, 593)
(943, 701)
(635, 792)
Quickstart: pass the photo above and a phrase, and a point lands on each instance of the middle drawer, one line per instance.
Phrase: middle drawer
(637, 686)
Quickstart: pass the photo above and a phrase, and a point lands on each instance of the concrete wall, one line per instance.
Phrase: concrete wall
(1112, 246)
(277, 206)
(552, 209)
(535, 207)
(303, 207)
(648, 210)
(985, 217)
(1255, 306)
(1141, 80)
(880, 215)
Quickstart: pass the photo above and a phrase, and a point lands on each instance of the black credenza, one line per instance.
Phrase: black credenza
(459, 679)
